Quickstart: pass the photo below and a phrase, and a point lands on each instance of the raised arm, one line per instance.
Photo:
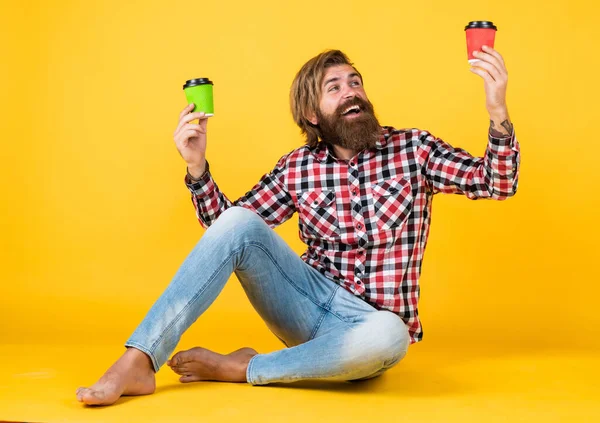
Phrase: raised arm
(268, 198)
(454, 171)
(496, 174)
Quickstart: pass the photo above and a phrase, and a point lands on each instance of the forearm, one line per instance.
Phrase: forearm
(500, 124)
(207, 198)
(501, 162)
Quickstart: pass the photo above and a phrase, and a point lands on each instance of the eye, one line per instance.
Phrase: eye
(333, 87)
(355, 83)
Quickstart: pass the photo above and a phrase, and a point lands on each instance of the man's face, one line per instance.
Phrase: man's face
(346, 116)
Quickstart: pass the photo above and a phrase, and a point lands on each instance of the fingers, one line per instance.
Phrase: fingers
(189, 117)
(190, 135)
(187, 109)
(491, 62)
(497, 55)
(194, 126)
(492, 71)
(485, 75)
(184, 137)
(492, 57)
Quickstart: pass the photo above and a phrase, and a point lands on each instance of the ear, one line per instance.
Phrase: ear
(312, 118)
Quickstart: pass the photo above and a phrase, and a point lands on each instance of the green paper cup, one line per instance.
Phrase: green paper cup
(200, 92)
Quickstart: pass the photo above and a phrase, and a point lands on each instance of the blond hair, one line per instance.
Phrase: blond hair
(305, 92)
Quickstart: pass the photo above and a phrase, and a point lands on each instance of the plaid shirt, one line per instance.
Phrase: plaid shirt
(366, 220)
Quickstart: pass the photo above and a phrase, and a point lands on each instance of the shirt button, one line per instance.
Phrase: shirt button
(360, 253)
(351, 163)
(358, 282)
(353, 192)
(359, 226)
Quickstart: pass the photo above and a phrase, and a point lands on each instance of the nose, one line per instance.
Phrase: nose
(348, 93)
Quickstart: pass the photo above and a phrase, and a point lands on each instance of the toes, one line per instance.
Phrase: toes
(179, 362)
(82, 393)
(177, 359)
(180, 370)
(187, 378)
(90, 397)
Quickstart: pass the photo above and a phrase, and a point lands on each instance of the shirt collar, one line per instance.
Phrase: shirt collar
(323, 151)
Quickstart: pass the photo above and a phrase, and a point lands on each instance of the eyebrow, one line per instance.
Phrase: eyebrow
(336, 78)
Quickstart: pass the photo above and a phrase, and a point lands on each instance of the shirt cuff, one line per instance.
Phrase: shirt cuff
(502, 146)
(201, 187)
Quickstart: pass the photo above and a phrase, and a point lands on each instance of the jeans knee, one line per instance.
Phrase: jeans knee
(238, 221)
(237, 214)
(388, 337)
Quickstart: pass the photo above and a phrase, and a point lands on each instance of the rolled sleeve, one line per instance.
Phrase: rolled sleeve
(455, 171)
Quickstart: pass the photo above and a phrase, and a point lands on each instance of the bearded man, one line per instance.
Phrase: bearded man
(346, 309)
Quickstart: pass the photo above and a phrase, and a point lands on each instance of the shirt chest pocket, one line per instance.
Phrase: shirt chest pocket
(318, 214)
(392, 202)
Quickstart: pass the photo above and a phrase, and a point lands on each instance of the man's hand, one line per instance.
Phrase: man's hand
(190, 140)
(492, 69)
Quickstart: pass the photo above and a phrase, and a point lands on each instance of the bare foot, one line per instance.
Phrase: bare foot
(132, 374)
(202, 364)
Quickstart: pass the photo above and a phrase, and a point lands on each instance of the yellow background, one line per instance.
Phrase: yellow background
(96, 218)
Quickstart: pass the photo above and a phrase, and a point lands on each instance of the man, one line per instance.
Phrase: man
(347, 308)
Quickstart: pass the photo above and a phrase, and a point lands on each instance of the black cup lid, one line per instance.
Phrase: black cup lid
(197, 81)
(481, 24)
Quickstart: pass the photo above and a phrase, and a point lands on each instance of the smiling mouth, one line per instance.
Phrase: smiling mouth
(352, 111)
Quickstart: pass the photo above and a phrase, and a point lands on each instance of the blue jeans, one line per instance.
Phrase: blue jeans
(329, 333)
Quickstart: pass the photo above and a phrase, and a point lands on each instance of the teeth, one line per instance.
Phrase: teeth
(351, 108)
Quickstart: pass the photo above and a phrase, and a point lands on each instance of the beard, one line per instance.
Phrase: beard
(352, 132)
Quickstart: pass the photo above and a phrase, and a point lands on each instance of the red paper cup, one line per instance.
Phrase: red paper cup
(479, 33)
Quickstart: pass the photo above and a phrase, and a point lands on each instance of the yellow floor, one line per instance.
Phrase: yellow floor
(38, 382)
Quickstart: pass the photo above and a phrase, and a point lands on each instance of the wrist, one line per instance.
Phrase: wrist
(195, 173)
(500, 124)
(498, 115)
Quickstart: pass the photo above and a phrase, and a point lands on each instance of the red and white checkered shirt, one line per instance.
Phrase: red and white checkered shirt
(366, 220)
